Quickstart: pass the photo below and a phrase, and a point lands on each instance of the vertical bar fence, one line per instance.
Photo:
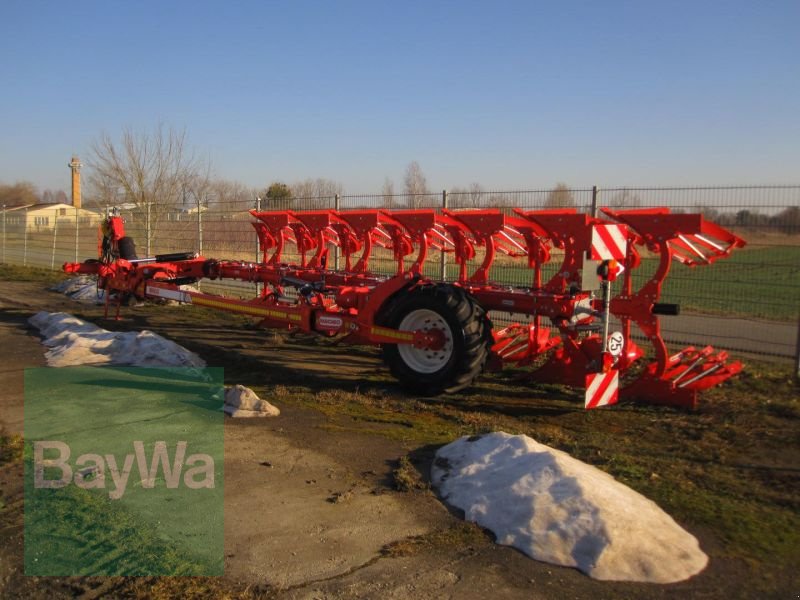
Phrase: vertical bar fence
(749, 302)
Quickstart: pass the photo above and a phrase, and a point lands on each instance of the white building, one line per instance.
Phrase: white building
(45, 216)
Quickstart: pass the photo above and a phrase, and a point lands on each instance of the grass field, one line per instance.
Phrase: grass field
(762, 283)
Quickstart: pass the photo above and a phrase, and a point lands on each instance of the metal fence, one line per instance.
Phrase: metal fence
(747, 303)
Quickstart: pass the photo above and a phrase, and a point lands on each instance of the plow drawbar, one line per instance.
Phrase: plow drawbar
(437, 336)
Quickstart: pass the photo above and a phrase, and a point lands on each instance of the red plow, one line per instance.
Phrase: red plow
(437, 336)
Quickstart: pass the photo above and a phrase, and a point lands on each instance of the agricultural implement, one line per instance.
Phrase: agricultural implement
(437, 336)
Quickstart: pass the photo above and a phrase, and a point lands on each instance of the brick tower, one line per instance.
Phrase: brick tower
(75, 166)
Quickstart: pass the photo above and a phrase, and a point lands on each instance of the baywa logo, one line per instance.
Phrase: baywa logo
(105, 471)
(124, 472)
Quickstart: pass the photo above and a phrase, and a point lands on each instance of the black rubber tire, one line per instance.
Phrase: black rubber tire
(468, 323)
(127, 249)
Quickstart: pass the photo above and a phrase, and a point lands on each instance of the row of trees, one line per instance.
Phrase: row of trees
(786, 221)
(158, 173)
(25, 193)
(158, 170)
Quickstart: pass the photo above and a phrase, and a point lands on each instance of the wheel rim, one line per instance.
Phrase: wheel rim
(425, 360)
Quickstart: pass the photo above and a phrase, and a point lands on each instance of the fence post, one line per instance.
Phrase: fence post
(77, 229)
(4, 233)
(594, 201)
(147, 229)
(55, 236)
(258, 247)
(199, 227)
(337, 200)
(797, 353)
(25, 239)
(443, 257)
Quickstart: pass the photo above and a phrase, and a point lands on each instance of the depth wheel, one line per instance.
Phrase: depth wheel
(462, 327)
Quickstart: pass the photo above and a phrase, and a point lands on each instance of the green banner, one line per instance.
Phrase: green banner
(123, 471)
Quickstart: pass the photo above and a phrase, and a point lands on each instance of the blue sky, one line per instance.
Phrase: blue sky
(509, 94)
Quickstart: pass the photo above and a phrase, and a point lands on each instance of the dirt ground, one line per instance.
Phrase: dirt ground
(329, 500)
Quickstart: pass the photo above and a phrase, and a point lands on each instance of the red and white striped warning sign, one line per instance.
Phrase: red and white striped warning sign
(609, 242)
(602, 389)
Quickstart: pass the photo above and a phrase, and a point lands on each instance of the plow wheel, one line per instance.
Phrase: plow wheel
(464, 332)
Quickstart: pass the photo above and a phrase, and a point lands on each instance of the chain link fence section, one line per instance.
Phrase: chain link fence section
(749, 302)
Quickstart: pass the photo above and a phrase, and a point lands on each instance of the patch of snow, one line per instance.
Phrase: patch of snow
(73, 341)
(241, 401)
(82, 289)
(186, 287)
(560, 510)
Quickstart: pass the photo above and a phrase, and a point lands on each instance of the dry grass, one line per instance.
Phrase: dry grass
(465, 536)
(407, 478)
(11, 445)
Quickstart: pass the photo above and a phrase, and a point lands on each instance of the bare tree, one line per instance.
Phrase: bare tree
(625, 199)
(196, 190)
(788, 220)
(223, 220)
(315, 193)
(416, 186)
(102, 193)
(388, 193)
(231, 196)
(476, 193)
(149, 169)
(19, 194)
(560, 197)
(458, 197)
(504, 202)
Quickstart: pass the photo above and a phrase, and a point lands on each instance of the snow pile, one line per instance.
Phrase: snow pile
(241, 401)
(82, 288)
(73, 341)
(560, 510)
